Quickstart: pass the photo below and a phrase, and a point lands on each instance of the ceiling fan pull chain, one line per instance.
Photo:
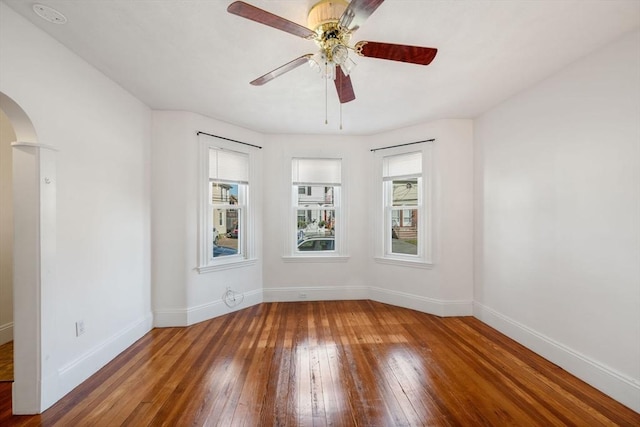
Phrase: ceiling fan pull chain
(326, 97)
(341, 116)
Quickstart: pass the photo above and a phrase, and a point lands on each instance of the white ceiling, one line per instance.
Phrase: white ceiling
(192, 55)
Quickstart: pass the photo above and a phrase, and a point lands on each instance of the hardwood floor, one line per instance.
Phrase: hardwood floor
(6, 361)
(344, 363)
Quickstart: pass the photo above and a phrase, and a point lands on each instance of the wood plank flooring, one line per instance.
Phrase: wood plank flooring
(344, 363)
(6, 361)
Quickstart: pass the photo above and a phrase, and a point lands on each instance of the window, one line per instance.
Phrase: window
(316, 207)
(228, 186)
(404, 220)
(224, 237)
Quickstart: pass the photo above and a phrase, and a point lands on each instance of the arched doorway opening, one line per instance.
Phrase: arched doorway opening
(33, 176)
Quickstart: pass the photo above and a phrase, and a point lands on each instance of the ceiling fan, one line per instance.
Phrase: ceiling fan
(331, 24)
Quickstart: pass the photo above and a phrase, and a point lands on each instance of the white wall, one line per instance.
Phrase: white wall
(285, 279)
(7, 136)
(103, 219)
(557, 262)
(445, 289)
(182, 296)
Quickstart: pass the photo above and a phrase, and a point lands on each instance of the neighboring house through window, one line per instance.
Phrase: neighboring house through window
(317, 224)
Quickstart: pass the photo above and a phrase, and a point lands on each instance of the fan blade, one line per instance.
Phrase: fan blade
(396, 52)
(253, 13)
(357, 12)
(343, 86)
(281, 70)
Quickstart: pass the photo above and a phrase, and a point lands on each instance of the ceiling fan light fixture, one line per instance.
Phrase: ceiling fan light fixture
(339, 54)
(322, 65)
(348, 66)
(331, 23)
(316, 62)
(330, 70)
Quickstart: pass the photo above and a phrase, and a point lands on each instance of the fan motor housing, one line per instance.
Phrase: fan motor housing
(325, 11)
(324, 19)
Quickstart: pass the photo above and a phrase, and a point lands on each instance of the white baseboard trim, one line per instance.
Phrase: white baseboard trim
(170, 318)
(6, 333)
(218, 307)
(23, 399)
(315, 293)
(437, 307)
(620, 387)
(442, 308)
(189, 316)
(69, 376)
(181, 317)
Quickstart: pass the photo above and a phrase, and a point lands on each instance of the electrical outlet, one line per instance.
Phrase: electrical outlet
(79, 327)
(302, 295)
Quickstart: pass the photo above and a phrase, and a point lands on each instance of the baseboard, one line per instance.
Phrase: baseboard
(620, 387)
(442, 308)
(218, 308)
(6, 333)
(171, 318)
(335, 293)
(315, 293)
(65, 379)
(180, 317)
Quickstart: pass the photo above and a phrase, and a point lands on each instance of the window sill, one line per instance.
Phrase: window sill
(319, 259)
(404, 262)
(226, 266)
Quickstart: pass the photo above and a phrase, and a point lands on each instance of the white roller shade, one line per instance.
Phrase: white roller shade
(402, 165)
(228, 166)
(316, 172)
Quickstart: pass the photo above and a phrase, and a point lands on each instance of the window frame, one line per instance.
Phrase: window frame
(390, 218)
(206, 262)
(383, 209)
(338, 254)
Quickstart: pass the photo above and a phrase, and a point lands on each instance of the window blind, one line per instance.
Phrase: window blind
(228, 166)
(316, 172)
(401, 165)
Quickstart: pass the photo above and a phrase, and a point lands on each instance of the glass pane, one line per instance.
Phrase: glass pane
(326, 243)
(404, 231)
(315, 223)
(224, 193)
(315, 195)
(405, 192)
(226, 230)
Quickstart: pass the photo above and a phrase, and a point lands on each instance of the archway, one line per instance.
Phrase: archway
(33, 252)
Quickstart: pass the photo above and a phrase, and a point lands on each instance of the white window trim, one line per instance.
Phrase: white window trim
(426, 236)
(339, 254)
(247, 257)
